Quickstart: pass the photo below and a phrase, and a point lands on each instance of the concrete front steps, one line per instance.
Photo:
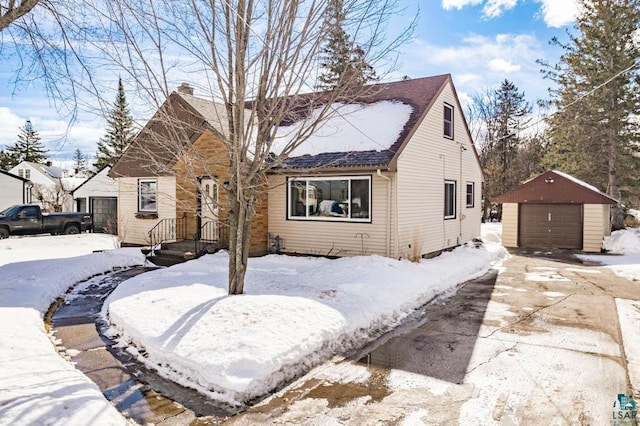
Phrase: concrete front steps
(171, 254)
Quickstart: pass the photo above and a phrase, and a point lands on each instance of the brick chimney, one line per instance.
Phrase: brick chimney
(186, 89)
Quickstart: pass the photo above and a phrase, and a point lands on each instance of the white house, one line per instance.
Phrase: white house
(52, 185)
(14, 190)
(98, 195)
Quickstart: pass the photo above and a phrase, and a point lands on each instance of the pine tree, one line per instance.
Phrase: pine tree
(28, 146)
(7, 161)
(120, 132)
(79, 161)
(594, 134)
(343, 62)
(504, 112)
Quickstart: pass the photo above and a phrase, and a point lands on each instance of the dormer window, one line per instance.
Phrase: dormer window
(448, 121)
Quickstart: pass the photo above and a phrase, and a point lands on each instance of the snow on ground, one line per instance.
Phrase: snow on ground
(624, 249)
(296, 312)
(37, 386)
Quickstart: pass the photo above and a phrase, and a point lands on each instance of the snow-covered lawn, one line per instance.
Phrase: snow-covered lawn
(37, 386)
(295, 313)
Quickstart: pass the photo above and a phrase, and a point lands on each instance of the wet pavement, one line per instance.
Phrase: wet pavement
(137, 392)
(539, 343)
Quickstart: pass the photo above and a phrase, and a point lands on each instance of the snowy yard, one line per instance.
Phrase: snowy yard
(295, 313)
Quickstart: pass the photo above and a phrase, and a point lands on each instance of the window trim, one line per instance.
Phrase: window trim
(444, 119)
(349, 219)
(473, 195)
(147, 210)
(449, 182)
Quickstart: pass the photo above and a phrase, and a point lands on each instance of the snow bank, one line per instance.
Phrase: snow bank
(296, 312)
(37, 386)
(624, 241)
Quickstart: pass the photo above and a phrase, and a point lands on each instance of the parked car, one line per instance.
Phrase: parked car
(27, 219)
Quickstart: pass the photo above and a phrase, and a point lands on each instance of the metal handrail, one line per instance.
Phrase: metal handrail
(166, 230)
(212, 233)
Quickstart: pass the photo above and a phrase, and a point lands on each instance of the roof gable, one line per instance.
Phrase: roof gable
(414, 95)
(555, 187)
(14, 176)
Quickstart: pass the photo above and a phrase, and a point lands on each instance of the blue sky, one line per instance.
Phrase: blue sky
(479, 42)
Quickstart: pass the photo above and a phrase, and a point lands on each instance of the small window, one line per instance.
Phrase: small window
(21, 173)
(27, 174)
(448, 121)
(147, 195)
(449, 199)
(470, 194)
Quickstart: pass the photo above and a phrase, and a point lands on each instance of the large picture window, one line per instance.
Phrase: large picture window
(449, 199)
(147, 195)
(335, 198)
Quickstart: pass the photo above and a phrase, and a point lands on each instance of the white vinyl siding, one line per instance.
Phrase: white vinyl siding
(596, 226)
(428, 159)
(133, 229)
(510, 224)
(333, 238)
(11, 191)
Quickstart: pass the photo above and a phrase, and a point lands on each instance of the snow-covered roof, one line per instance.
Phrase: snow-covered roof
(350, 128)
(369, 128)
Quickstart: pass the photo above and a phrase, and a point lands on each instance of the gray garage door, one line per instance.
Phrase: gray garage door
(105, 214)
(550, 226)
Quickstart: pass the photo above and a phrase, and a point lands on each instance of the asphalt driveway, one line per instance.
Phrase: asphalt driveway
(538, 343)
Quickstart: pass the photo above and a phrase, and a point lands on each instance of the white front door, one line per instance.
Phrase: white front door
(208, 209)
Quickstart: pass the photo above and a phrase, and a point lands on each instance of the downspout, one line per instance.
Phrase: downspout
(388, 236)
(463, 198)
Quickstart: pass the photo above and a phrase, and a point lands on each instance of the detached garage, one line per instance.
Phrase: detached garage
(555, 210)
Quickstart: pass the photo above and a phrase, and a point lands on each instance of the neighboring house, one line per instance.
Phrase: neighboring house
(98, 195)
(555, 210)
(52, 185)
(14, 190)
(395, 173)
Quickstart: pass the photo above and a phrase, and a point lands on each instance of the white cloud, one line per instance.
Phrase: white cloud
(557, 13)
(458, 4)
(10, 126)
(495, 8)
(481, 62)
(499, 64)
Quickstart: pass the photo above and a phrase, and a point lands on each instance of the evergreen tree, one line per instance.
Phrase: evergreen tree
(28, 146)
(120, 132)
(503, 149)
(343, 62)
(594, 133)
(79, 161)
(7, 161)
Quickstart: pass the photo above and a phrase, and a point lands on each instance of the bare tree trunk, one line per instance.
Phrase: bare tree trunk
(241, 216)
